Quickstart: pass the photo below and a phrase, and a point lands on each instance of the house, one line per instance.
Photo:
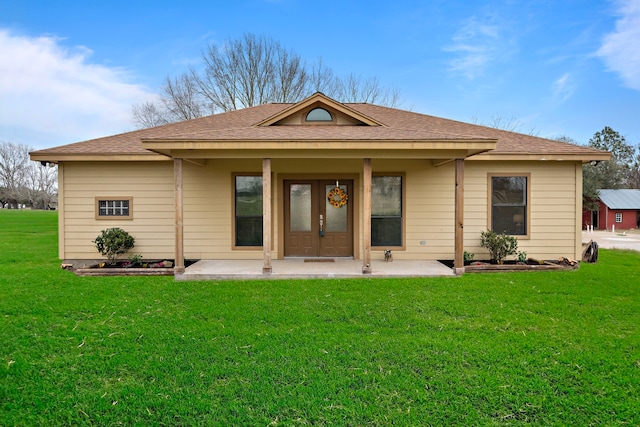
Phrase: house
(618, 209)
(320, 178)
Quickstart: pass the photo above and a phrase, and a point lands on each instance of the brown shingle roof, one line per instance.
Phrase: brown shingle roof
(240, 125)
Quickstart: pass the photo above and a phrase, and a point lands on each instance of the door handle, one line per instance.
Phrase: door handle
(321, 226)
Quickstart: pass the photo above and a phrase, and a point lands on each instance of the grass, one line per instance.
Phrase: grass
(544, 348)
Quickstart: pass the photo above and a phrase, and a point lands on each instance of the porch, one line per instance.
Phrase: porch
(314, 268)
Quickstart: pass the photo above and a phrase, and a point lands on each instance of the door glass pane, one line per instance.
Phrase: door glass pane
(336, 218)
(300, 207)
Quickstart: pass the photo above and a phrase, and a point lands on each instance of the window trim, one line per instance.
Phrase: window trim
(403, 207)
(526, 175)
(234, 246)
(618, 215)
(99, 199)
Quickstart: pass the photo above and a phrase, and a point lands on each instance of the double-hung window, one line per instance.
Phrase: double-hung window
(509, 204)
(386, 211)
(248, 210)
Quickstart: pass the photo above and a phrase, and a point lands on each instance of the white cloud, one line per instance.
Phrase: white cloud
(52, 95)
(563, 87)
(478, 44)
(620, 49)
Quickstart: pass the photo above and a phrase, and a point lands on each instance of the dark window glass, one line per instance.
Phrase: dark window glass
(248, 210)
(319, 115)
(509, 204)
(386, 211)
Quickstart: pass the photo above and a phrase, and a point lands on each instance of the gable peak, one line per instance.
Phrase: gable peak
(319, 109)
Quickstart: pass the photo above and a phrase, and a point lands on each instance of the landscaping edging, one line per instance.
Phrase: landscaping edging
(124, 271)
(492, 268)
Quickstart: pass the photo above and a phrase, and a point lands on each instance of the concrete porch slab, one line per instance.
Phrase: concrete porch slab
(297, 268)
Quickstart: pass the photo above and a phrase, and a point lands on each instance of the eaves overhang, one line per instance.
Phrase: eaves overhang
(319, 148)
(53, 157)
(542, 157)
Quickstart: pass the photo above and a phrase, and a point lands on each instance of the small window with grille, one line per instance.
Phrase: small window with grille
(114, 208)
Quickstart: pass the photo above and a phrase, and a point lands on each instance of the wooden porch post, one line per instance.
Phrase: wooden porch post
(458, 261)
(366, 213)
(179, 209)
(266, 215)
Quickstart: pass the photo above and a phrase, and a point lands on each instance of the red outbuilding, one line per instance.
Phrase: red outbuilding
(619, 209)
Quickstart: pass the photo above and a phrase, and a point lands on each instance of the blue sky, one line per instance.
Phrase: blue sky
(71, 70)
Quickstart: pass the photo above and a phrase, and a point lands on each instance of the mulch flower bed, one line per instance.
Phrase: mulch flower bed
(126, 268)
(486, 266)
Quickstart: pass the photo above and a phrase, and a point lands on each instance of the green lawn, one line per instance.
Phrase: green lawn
(545, 348)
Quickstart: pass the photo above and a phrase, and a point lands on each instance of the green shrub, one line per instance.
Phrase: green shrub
(135, 260)
(113, 242)
(468, 257)
(499, 245)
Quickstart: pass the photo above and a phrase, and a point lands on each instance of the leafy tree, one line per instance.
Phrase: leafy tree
(621, 171)
(590, 187)
(590, 183)
(615, 173)
(249, 71)
(634, 172)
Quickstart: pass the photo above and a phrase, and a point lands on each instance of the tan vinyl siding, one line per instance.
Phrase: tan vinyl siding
(429, 209)
(61, 213)
(208, 211)
(208, 205)
(150, 184)
(552, 206)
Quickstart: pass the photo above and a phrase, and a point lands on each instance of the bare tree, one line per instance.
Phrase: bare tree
(40, 185)
(321, 79)
(148, 115)
(181, 98)
(250, 71)
(358, 89)
(291, 78)
(24, 181)
(510, 124)
(14, 159)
